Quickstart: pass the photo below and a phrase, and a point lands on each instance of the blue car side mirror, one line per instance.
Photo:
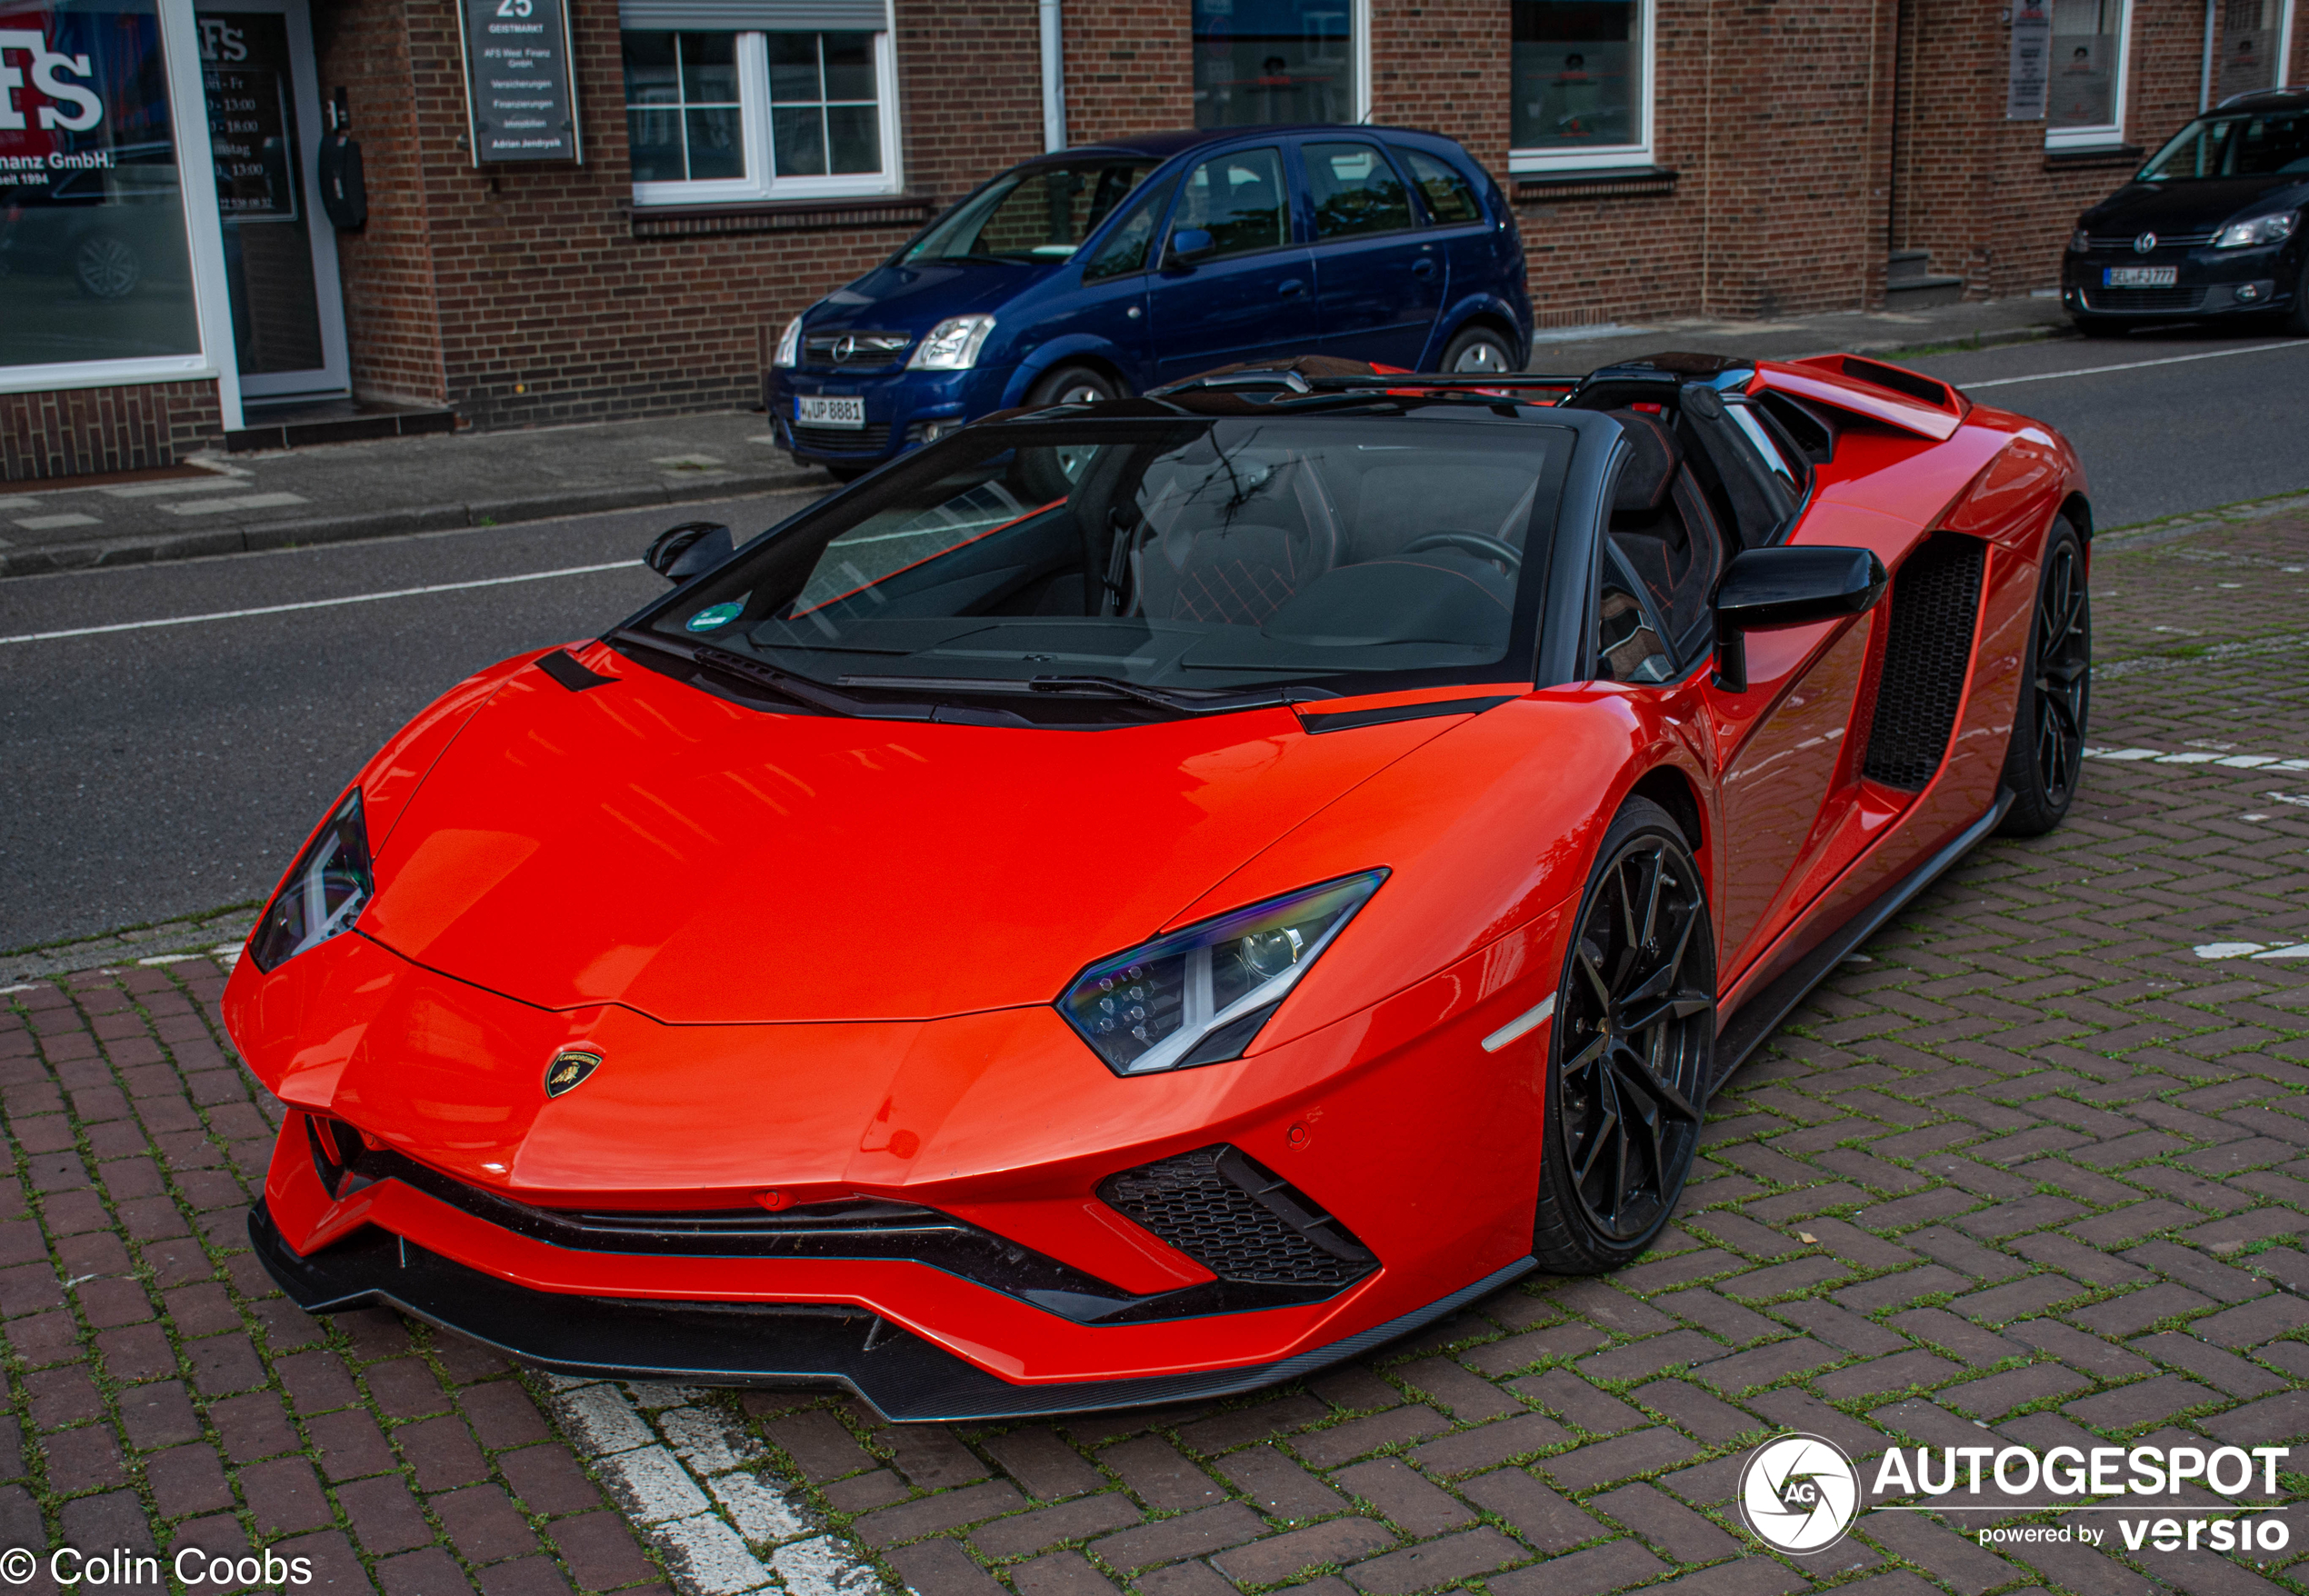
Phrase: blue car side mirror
(1186, 243)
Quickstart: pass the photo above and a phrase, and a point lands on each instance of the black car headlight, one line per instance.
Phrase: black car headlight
(1199, 995)
(324, 892)
(2274, 229)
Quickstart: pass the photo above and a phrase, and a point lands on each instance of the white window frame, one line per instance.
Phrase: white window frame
(205, 250)
(753, 119)
(1592, 159)
(2103, 135)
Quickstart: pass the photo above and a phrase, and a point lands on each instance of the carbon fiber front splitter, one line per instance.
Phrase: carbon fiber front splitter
(747, 1343)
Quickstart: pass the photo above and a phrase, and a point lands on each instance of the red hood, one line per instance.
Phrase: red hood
(702, 862)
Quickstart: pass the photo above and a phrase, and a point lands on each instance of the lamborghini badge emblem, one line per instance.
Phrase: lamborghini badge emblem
(571, 1065)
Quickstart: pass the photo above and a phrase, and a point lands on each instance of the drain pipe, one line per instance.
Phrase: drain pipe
(1054, 74)
(2204, 83)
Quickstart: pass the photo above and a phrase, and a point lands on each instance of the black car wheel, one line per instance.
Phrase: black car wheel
(2297, 318)
(1477, 349)
(1051, 473)
(107, 267)
(1634, 1043)
(2046, 758)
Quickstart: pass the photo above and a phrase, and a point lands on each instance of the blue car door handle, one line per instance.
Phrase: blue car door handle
(1422, 268)
(1291, 287)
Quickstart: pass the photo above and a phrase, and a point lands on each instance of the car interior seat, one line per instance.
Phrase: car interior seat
(1228, 541)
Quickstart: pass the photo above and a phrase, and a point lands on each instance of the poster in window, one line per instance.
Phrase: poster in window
(521, 96)
(2027, 90)
(245, 70)
(94, 262)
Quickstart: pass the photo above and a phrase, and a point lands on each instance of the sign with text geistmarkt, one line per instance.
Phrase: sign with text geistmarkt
(521, 96)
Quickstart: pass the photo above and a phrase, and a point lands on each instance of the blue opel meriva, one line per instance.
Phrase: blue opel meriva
(1102, 272)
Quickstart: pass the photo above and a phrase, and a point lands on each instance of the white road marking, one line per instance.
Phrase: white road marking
(357, 598)
(1523, 1024)
(2134, 365)
(692, 1482)
(2241, 762)
(238, 502)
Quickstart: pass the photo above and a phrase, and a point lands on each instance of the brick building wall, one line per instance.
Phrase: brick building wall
(1129, 68)
(76, 432)
(391, 322)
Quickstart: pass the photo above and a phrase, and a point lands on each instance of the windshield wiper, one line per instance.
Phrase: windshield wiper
(1192, 700)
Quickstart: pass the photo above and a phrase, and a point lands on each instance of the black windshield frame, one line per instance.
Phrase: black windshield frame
(1565, 474)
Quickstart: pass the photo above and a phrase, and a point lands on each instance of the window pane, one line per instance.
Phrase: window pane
(92, 215)
(1579, 74)
(1354, 191)
(1448, 198)
(799, 134)
(653, 76)
(2085, 50)
(716, 143)
(1127, 248)
(1273, 61)
(849, 67)
(655, 140)
(709, 69)
(794, 67)
(854, 134)
(1240, 200)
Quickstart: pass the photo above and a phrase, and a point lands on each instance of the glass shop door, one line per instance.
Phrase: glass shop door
(280, 251)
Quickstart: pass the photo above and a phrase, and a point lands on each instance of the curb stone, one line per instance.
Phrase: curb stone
(49, 558)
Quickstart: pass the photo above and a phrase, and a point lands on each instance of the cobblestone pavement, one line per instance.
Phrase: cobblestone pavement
(2034, 1169)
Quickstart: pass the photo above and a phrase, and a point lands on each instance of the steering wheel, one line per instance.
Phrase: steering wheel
(1474, 543)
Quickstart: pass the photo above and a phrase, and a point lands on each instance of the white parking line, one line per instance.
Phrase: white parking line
(2134, 365)
(357, 598)
(2241, 762)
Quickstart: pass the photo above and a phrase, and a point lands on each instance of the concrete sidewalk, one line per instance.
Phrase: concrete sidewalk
(223, 504)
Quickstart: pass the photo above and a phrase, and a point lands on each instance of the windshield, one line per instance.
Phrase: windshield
(1042, 211)
(1346, 554)
(2270, 145)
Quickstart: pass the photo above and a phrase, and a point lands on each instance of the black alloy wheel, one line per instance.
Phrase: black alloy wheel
(2046, 759)
(1633, 1045)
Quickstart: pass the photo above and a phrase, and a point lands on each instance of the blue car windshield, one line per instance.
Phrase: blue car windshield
(1037, 212)
(1350, 553)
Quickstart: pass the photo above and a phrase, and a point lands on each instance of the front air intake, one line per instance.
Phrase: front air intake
(1239, 1221)
(1935, 601)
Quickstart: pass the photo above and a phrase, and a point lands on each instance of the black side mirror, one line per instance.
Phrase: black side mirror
(1187, 245)
(680, 552)
(1787, 587)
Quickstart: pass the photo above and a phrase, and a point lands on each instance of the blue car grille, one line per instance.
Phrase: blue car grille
(870, 439)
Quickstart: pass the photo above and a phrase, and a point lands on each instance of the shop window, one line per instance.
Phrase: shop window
(2255, 43)
(717, 116)
(96, 267)
(2085, 105)
(1263, 61)
(1582, 84)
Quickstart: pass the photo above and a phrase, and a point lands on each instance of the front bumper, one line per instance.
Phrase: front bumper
(902, 409)
(2207, 282)
(830, 1344)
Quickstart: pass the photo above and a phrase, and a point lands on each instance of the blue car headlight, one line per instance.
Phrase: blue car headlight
(1199, 995)
(324, 892)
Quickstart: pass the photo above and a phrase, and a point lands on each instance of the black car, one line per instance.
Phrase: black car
(2212, 226)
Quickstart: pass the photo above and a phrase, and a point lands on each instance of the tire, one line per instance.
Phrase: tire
(2097, 327)
(1620, 1123)
(107, 267)
(1050, 474)
(2296, 320)
(2045, 760)
(1477, 349)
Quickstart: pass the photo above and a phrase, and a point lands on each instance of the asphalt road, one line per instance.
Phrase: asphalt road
(162, 772)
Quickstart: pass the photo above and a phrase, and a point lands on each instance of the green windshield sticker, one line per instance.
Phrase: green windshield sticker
(713, 615)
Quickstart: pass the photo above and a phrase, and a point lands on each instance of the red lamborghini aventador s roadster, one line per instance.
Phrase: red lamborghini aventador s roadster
(1139, 900)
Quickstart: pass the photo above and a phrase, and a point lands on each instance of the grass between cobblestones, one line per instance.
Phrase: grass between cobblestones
(2030, 1170)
